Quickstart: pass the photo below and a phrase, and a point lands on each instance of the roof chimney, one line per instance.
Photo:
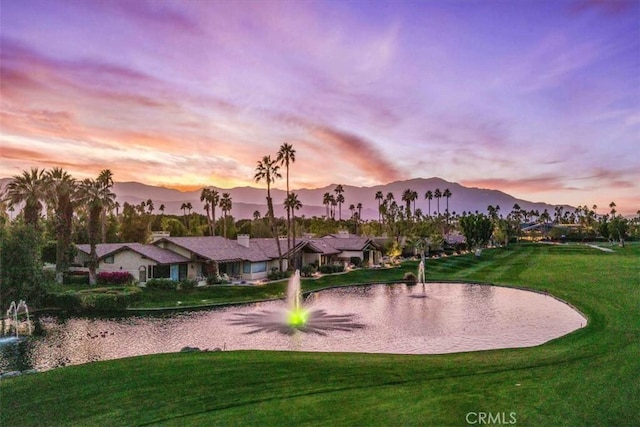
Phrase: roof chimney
(243, 239)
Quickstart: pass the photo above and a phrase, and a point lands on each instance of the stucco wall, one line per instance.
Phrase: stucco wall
(126, 261)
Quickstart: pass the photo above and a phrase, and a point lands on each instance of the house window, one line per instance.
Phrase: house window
(109, 260)
(246, 267)
(258, 267)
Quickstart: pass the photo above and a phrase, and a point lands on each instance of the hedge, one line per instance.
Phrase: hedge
(95, 299)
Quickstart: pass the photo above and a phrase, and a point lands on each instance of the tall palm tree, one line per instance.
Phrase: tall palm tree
(184, 213)
(206, 197)
(446, 194)
(91, 194)
(326, 200)
(286, 156)
(225, 204)
(268, 171)
(438, 195)
(150, 206)
(406, 197)
(379, 197)
(429, 196)
(105, 181)
(293, 204)
(61, 194)
(334, 203)
(339, 190)
(30, 188)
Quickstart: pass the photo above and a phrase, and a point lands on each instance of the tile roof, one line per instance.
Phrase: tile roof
(218, 248)
(157, 254)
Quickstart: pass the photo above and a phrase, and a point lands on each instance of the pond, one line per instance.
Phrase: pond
(421, 319)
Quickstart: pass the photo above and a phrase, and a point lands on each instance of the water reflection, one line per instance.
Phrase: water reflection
(369, 319)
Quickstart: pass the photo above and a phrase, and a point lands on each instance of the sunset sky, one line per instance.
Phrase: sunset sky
(539, 99)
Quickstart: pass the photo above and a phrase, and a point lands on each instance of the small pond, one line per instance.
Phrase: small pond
(421, 319)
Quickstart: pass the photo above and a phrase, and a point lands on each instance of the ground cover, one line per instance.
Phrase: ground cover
(586, 378)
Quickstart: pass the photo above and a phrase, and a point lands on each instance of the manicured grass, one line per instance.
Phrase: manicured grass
(589, 377)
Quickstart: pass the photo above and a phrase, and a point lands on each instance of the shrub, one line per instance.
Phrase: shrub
(410, 278)
(331, 268)
(276, 275)
(215, 280)
(356, 260)
(166, 284)
(76, 278)
(95, 299)
(307, 270)
(114, 278)
(187, 285)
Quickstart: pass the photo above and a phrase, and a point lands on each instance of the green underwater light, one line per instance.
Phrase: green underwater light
(297, 318)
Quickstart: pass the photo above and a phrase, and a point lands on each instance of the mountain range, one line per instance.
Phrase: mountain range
(247, 200)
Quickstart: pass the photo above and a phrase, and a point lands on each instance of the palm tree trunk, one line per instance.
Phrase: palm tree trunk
(273, 226)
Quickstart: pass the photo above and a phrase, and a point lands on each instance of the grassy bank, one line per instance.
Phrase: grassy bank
(587, 378)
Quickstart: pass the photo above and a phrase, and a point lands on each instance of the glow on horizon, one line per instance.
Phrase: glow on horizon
(537, 99)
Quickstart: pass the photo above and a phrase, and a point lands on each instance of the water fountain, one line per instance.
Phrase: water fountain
(295, 316)
(14, 323)
(421, 278)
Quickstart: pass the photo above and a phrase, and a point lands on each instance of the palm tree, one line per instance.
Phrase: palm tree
(293, 204)
(256, 215)
(150, 206)
(267, 170)
(429, 196)
(116, 205)
(105, 181)
(30, 188)
(446, 194)
(206, 196)
(379, 197)
(286, 156)
(406, 197)
(184, 213)
(326, 200)
(334, 203)
(437, 194)
(61, 193)
(91, 193)
(339, 190)
(226, 205)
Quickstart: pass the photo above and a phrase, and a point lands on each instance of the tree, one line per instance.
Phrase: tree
(429, 196)
(293, 204)
(409, 196)
(61, 195)
(286, 156)
(91, 192)
(379, 197)
(105, 182)
(437, 194)
(210, 198)
(339, 190)
(225, 204)
(268, 171)
(20, 257)
(30, 188)
(326, 200)
(447, 194)
(477, 229)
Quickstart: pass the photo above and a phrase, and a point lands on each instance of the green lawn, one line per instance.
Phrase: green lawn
(589, 377)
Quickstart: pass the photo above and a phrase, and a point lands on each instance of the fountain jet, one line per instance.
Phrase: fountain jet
(296, 317)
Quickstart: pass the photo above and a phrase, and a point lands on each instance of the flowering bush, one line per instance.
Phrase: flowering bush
(114, 278)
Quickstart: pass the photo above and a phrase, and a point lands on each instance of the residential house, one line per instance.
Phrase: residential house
(142, 261)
